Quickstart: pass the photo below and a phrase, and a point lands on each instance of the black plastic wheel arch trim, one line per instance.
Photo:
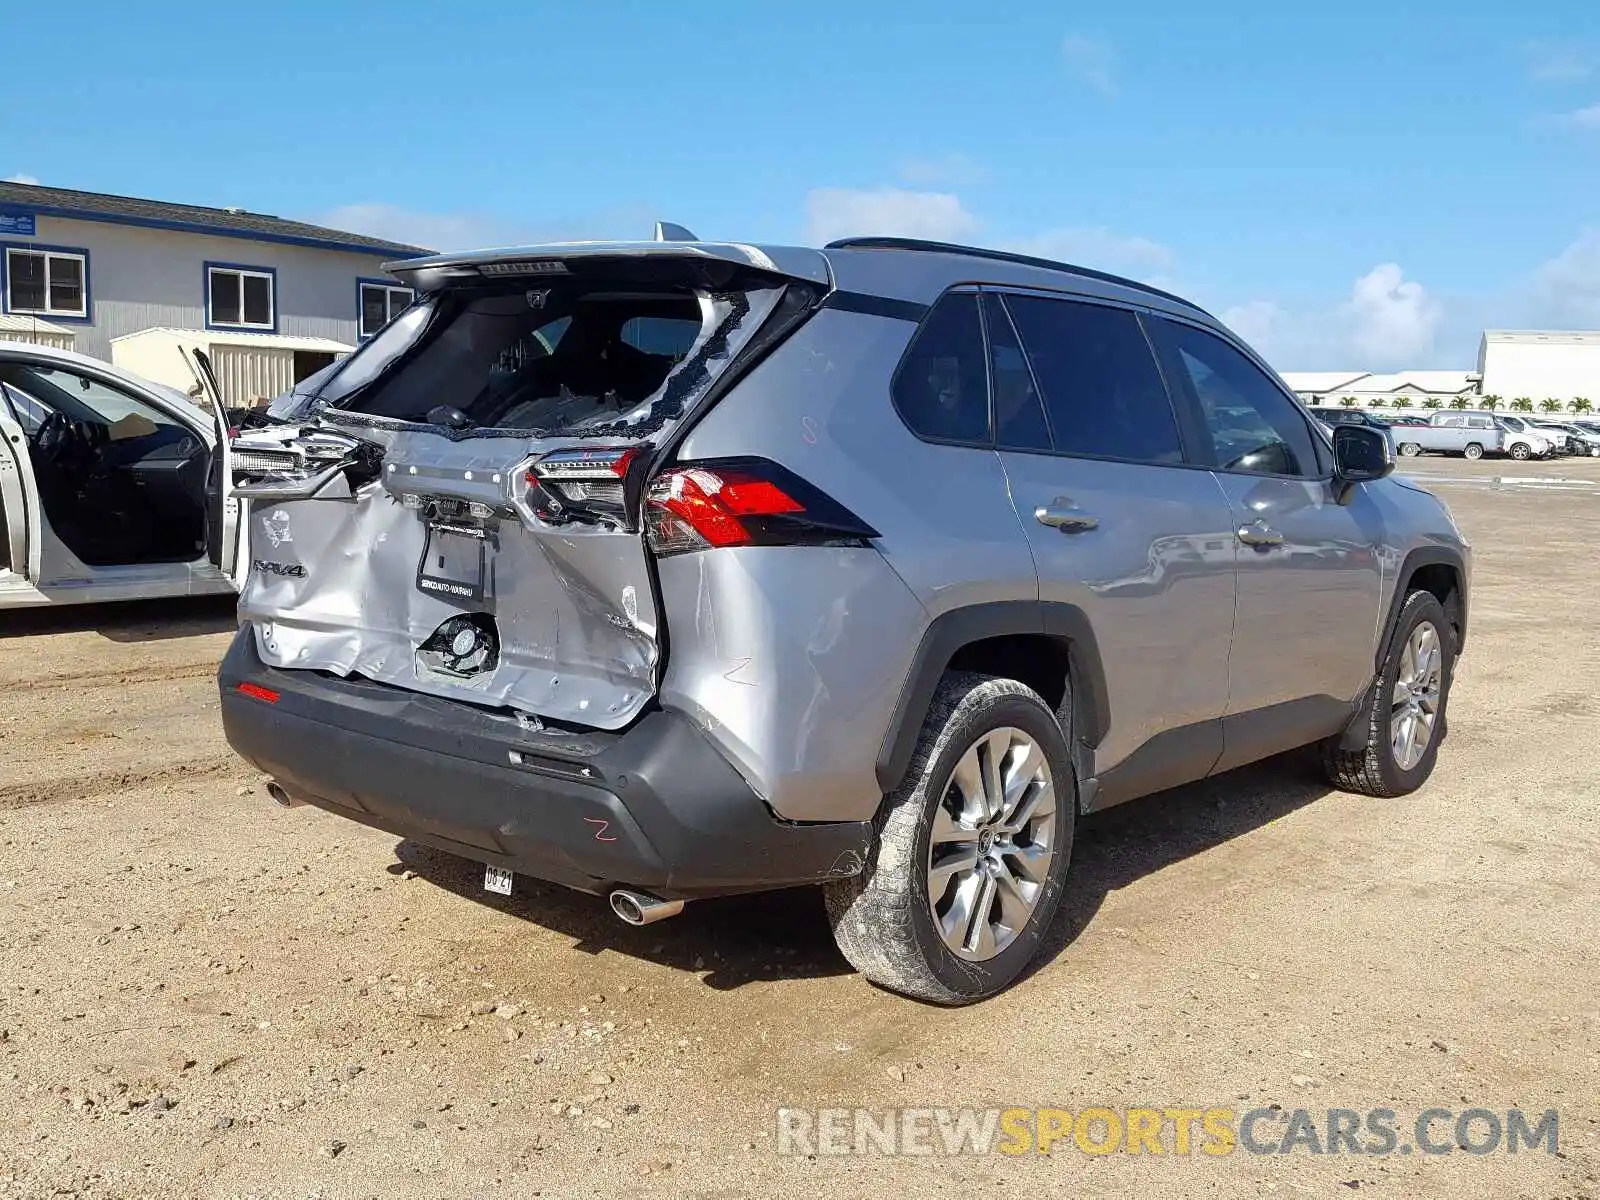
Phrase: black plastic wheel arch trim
(960, 627)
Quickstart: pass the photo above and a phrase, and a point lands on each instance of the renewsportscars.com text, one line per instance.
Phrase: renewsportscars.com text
(1180, 1131)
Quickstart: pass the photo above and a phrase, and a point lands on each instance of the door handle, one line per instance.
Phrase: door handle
(1067, 520)
(1259, 533)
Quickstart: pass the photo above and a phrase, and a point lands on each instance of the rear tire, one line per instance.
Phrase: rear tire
(1410, 449)
(917, 921)
(1473, 451)
(1411, 692)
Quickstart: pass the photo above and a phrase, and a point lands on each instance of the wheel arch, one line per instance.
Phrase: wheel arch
(1441, 570)
(1051, 647)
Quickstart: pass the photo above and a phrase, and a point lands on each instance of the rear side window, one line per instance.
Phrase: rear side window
(942, 389)
(1102, 391)
(1254, 427)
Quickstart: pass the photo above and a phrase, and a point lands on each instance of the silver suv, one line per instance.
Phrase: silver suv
(668, 570)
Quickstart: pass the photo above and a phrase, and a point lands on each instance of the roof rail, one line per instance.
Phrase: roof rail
(1025, 260)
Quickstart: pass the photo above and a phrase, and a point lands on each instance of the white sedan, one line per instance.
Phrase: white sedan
(111, 487)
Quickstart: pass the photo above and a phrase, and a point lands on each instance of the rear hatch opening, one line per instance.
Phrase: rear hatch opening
(483, 543)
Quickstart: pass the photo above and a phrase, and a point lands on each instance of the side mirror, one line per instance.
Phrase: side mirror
(1360, 455)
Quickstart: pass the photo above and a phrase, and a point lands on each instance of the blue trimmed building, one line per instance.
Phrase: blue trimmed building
(102, 267)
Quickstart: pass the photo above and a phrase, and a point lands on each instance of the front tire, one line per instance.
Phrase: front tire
(1405, 714)
(1521, 452)
(972, 849)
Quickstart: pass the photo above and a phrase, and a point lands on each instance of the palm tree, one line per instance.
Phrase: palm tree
(1581, 405)
(1350, 401)
(1550, 404)
(1375, 402)
(1490, 402)
(1401, 402)
(1459, 402)
(1522, 404)
(1433, 402)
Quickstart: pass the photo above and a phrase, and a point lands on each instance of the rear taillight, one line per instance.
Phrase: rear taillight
(743, 502)
(586, 479)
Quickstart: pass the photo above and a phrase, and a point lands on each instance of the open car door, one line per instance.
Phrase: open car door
(21, 537)
(223, 520)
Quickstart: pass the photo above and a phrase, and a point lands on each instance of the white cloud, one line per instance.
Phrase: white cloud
(949, 170)
(1565, 290)
(1256, 321)
(1092, 61)
(1392, 319)
(467, 231)
(1388, 322)
(1583, 118)
(21, 178)
(842, 212)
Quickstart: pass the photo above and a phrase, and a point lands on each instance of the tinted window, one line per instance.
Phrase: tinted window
(942, 389)
(1254, 427)
(1019, 422)
(1103, 395)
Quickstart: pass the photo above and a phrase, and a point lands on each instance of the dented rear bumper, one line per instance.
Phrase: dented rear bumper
(654, 806)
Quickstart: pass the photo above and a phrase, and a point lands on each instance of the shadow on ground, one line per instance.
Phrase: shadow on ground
(779, 935)
(131, 621)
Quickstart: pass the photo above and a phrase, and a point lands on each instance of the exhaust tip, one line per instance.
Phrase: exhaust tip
(638, 908)
(280, 795)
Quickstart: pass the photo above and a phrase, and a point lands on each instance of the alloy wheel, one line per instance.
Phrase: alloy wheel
(993, 838)
(1414, 706)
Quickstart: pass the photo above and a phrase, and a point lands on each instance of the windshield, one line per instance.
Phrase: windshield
(572, 359)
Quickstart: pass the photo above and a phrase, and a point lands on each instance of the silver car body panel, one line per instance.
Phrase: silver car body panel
(1155, 576)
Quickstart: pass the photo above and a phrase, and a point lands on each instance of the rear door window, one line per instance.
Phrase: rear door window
(942, 388)
(1103, 394)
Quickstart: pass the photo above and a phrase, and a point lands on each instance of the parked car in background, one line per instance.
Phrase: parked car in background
(1441, 436)
(1591, 428)
(1334, 416)
(111, 487)
(1522, 440)
(1571, 438)
(1406, 419)
(616, 588)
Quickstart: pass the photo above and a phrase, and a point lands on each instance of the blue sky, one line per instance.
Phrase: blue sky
(1361, 185)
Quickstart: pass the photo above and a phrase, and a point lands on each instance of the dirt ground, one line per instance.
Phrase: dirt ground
(204, 995)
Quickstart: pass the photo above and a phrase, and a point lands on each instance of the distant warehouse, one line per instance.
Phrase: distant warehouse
(1541, 364)
(131, 280)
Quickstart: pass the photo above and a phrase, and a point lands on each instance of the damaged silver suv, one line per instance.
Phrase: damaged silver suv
(677, 569)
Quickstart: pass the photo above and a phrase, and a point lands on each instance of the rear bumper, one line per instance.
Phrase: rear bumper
(654, 807)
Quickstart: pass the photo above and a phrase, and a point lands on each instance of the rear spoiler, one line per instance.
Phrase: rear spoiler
(552, 262)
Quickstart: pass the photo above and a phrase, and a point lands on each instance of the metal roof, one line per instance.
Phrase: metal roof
(188, 218)
(1560, 337)
(1322, 381)
(230, 337)
(20, 323)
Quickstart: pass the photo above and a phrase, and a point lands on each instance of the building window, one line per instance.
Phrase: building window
(52, 283)
(241, 297)
(380, 304)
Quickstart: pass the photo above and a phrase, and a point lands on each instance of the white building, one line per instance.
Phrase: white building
(1370, 390)
(1540, 364)
(90, 272)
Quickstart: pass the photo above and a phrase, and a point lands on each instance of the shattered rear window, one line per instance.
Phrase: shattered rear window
(575, 360)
